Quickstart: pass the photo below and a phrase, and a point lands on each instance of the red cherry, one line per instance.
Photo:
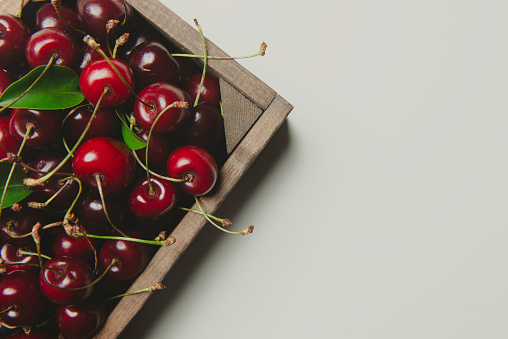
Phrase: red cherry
(159, 96)
(74, 247)
(13, 36)
(20, 291)
(80, 321)
(47, 17)
(46, 123)
(196, 166)
(111, 159)
(144, 203)
(6, 138)
(99, 75)
(91, 213)
(10, 255)
(20, 223)
(210, 91)
(159, 149)
(51, 42)
(5, 80)
(65, 280)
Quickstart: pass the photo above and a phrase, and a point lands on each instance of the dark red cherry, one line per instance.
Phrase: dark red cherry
(131, 257)
(159, 148)
(5, 80)
(6, 138)
(151, 62)
(152, 203)
(10, 255)
(13, 36)
(91, 213)
(20, 223)
(204, 127)
(111, 159)
(51, 42)
(85, 56)
(99, 75)
(160, 95)
(210, 91)
(195, 165)
(67, 281)
(140, 34)
(44, 163)
(20, 291)
(46, 123)
(104, 124)
(74, 247)
(81, 321)
(47, 17)
(96, 13)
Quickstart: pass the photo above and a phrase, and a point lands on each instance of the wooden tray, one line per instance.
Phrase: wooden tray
(253, 112)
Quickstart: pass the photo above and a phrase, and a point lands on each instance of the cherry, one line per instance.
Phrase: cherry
(20, 292)
(13, 36)
(99, 75)
(210, 91)
(159, 148)
(20, 223)
(74, 247)
(152, 202)
(46, 126)
(131, 257)
(92, 216)
(196, 166)
(48, 42)
(6, 138)
(66, 281)
(95, 14)
(5, 80)
(140, 34)
(16, 260)
(85, 56)
(104, 124)
(107, 158)
(151, 62)
(160, 95)
(80, 321)
(204, 127)
(47, 17)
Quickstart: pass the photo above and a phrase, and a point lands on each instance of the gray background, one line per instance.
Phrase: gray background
(380, 207)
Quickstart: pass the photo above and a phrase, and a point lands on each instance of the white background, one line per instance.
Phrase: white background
(380, 207)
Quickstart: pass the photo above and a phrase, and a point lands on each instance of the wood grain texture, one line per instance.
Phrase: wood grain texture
(165, 258)
(9, 6)
(187, 38)
(239, 112)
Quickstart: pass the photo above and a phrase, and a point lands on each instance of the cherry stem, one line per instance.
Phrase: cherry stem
(205, 62)
(91, 42)
(224, 222)
(71, 153)
(67, 217)
(21, 251)
(7, 309)
(50, 62)
(126, 10)
(243, 232)
(4, 264)
(167, 242)
(179, 104)
(16, 236)
(56, 6)
(41, 205)
(109, 27)
(37, 239)
(65, 119)
(29, 128)
(101, 193)
(261, 52)
(152, 288)
(119, 42)
(155, 174)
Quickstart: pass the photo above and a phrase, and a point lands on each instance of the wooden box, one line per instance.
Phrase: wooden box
(253, 112)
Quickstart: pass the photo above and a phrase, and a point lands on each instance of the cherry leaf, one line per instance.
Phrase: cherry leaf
(129, 137)
(16, 191)
(58, 88)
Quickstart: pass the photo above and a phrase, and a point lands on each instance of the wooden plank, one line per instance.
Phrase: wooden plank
(239, 113)
(187, 38)
(165, 258)
(10, 7)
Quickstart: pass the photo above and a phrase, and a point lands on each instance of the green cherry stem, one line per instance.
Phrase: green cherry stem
(205, 61)
(7, 309)
(152, 288)
(35, 182)
(50, 62)
(101, 193)
(21, 251)
(155, 174)
(167, 242)
(224, 222)
(261, 52)
(243, 232)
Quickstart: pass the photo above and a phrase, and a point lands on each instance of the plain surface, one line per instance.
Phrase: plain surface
(380, 207)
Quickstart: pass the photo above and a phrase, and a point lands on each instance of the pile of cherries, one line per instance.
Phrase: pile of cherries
(88, 227)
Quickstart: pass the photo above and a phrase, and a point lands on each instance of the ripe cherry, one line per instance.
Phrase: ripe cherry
(159, 148)
(85, 56)
(66, 281)
(74, 247)
(48, 42)
(6, 138)
(159, 96)
(111, 160)
(196, 166)
(82, 320)
(210, 91)
(21, 295)
(93, 219)
(46, 128)
(19, 223)
(203, 128)
(48, 17)
(13, 36)
(152, 202)
(5, 80)
(16, 260)
(99, 75)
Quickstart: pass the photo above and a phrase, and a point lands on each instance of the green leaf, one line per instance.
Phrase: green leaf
(58, 88)
(16, 190)
(129, 137)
